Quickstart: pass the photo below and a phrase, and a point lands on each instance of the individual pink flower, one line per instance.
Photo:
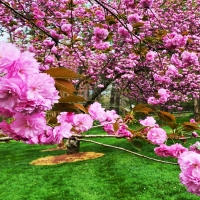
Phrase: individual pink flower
(100, 15)
(162, 150)
(108, 128)
(134, 18)
(195, 134)
(5, 127)
(129, 3)
(189, 58)
(62, 131)
(44, 138)
(157, 135)
(9, 53)
(49, 60)
(152, 101)
(122, 131)
(64, 117)
(149, 121)
(24, 66)
(100, 33)
(176, 150)
(172, 70)
(124, 32)
(82, 122)
(110, 117)
(195, 147)
(189, 163)
(174, 40)
(10, 92)
(48, 43)
(41, 90)
(28, 126)
(164, 95)
(150, 56)
(192, 120)
(67, 28)
(6, 113)
(96, 111)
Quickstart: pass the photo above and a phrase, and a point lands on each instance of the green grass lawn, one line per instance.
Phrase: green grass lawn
(116, 176)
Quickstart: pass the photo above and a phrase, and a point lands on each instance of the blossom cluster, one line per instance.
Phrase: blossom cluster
(154, 133)
(23, 88)
(25, 93)
(107, 119)
(189, 162)
(163, 97)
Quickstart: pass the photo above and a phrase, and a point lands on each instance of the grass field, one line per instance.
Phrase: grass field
(116, 176)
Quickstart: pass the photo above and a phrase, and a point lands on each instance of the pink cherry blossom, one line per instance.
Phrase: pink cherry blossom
(8, 55)
(192, 120)
(41, 90)
(149, 121)
(162, 150)
(157, 135)
(24, 66)
(176, 150)
(28, 126)
(175, 40)
(195, 134)
(96, 111)
(10, 92)
(100, 33)
(189, 163)
(82, 122)
(62, 131)
(64, 117)
(195, 147)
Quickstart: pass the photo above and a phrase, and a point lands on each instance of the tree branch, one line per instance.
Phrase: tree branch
(126, 150)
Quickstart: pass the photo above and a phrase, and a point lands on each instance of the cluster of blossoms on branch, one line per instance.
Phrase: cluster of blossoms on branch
(188, 158)
(141, 45)
(25, 95)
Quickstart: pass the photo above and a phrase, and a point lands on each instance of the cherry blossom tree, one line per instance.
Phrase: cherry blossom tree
(149, 49)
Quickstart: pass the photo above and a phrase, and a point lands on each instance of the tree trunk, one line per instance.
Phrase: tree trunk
(197, 110)
(117, 102)
(73, 146)
(86, 93)
(112, 97)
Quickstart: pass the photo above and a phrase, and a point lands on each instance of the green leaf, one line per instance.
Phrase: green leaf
(166, 117)
(115, 126)
(71, 99)
(62, 73)
(136, 144)
(64, 85)
(139, 107)
(64, 107)
(188, 126)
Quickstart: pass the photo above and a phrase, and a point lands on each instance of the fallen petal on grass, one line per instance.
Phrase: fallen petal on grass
(65, 158)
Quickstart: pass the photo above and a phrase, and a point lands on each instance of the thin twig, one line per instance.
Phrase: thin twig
(97, 136)
(137, 154)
